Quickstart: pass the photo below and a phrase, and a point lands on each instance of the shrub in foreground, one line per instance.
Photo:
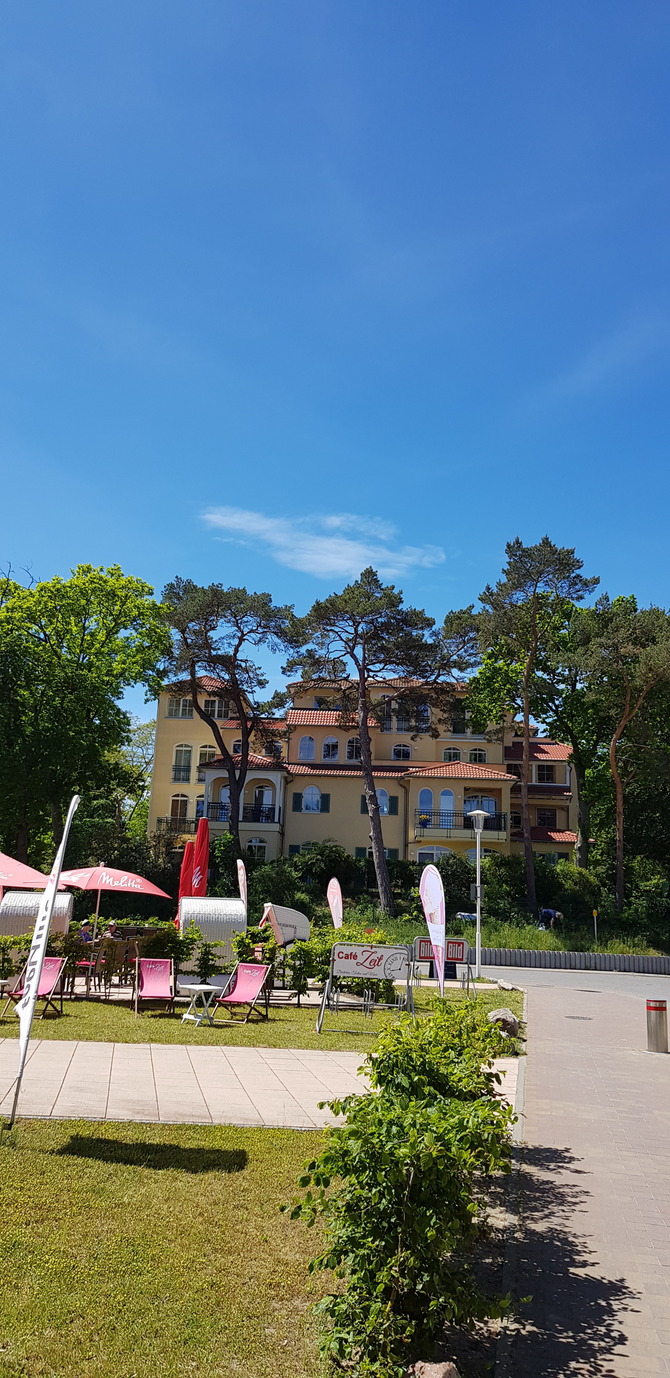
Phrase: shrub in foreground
(395, 1189)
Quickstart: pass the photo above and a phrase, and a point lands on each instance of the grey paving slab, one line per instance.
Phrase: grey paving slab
(593, 1241)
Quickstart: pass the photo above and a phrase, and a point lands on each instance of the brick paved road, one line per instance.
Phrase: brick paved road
(593, 1245)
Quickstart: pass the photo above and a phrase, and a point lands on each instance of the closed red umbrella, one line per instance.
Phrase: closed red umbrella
(201, 859)
(185, 876)
(108, 878)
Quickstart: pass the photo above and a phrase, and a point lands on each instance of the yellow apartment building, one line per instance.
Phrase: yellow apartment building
(306, 786)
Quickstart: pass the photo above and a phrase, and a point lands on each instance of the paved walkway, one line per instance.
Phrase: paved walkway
(171, 1083)
(593, 1243)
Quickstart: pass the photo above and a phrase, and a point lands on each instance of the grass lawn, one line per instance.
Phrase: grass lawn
(134, 1250)
(112, 1022)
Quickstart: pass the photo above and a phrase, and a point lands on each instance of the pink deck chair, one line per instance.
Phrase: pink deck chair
(154, 980)
(246, 985)
(51, 976)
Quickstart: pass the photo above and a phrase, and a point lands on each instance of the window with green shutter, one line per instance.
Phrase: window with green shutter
(325, 803)
(364, 804)
(294, 849)
(297, 803)
(393, 804)
(392, 853)
(360, 853)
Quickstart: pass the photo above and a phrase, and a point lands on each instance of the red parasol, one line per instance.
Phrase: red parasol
(201, 859)
(185, 876)
(15, 875)
(107, 878)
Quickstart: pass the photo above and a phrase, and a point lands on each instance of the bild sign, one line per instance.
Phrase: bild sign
(456, 950)
(372, 961)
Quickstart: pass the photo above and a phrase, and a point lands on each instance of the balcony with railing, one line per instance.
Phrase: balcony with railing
(452, 823)
(249, 813)
(176, 826)
(181, 775)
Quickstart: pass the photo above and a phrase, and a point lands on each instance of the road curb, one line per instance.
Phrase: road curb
(508, 1326)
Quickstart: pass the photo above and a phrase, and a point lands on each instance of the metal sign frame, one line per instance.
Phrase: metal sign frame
(378, 962)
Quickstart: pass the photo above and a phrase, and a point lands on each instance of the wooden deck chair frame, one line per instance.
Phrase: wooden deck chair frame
(262, 991)
(49, 999)
(135, 993)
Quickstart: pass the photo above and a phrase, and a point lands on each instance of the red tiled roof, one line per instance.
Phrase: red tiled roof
(541, 789)
(344, 772)
(320, 717)
(540, 750)
(460, 770)
(552, 835)
(255, 763)
(209, 683)
(452, 770)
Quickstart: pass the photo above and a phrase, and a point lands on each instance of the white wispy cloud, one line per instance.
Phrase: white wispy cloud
(334, 546)
(612, 360)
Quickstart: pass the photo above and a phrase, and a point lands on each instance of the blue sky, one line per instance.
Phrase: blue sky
(289, 289)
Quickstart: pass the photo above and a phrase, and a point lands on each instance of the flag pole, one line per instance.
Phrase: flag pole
(31, 980)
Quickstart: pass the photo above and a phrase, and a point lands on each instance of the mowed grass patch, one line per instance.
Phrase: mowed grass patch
(110, 1021)
(129, 1251)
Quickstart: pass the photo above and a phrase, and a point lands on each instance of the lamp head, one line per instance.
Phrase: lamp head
(478, 817)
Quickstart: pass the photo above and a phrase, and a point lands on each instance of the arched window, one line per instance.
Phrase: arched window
(432, 854)
(306, 749)
(181, 770)
(446, 807)
(480, 801)
(425, 801)
(478, 756)
(178, 807)
(451, 753)
(205, 754)
(331, 749)
(221, 813)
(257, 847)
(200, 806)
(273, 749)
(402, 752)
(383, 800)
(311, 799)
(354, 749)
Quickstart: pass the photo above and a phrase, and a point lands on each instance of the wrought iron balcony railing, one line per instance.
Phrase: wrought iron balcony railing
(250, 813)
(181, 775)
(176, 826)
(450, 820)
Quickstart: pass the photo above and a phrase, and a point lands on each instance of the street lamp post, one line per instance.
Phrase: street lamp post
(478, 817)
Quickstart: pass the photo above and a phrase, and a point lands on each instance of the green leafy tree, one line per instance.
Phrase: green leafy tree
(69, 648)
(360, 636)
(216, 631)
(520, 618)
(625, 651)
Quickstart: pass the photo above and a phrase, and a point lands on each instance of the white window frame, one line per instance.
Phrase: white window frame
(330, 755)
(354, 749)
(402, 751)
(304, 752)
(314, 793)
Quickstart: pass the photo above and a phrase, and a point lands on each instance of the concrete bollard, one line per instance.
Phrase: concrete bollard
(657, 1026)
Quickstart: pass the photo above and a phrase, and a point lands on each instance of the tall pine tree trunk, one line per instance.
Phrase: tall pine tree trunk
(525, 811)
(618, 796)
(583, 811)
(376, 836)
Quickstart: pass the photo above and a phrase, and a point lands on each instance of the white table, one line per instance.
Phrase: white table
(199, 1010)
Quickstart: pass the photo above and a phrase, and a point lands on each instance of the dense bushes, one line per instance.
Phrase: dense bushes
(395, 1190)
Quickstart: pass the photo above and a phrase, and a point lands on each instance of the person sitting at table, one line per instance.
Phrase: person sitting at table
(111, 930)
(85, 935)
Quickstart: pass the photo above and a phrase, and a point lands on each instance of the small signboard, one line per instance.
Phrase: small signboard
(370, 961)
(456, 950)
